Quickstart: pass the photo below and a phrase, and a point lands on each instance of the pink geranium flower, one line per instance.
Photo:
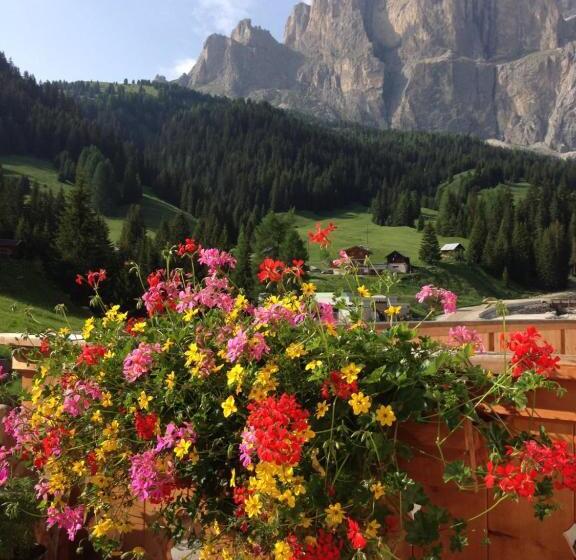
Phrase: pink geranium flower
(447, 299)
(462, 336)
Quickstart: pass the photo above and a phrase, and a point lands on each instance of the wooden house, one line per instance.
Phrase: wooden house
(453, 251)
(397, 262)
(9, 247)
(359, 254)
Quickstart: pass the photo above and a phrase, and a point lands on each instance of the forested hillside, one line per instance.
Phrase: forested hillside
(228, 163)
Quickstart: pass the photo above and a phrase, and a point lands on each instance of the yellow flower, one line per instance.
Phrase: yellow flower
(236, 377)
(229, 406)
(109, 355)
(113, 316)
(363, 291)
(295, 350)
(144, 400)
(314, 364)
(171, 381)
(167, 345)
(193, 355)
(102, 528)
(372, 529)
(253, 505)
(350, 372)
(139, 551)
(64, 331)
(308, 289)
(331, 329)
(334, 515)
(106, 401)
(182, 447)
(139, 327)
(385, 415)
(190, 314)
(321, 409)
(233, 479)
(393, 310)
(282, 551)
(378, 490)
(360, 403)
(88, 328)
(305, 522)
(79, 468)
(97, 417)
(194, 457)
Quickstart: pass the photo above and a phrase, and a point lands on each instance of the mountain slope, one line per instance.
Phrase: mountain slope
(501, 69)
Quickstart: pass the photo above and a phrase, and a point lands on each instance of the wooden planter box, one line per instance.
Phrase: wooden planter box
(508, 532)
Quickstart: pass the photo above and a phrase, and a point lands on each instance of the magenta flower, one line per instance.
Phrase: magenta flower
(139, 361)
(215, 259)
(343, 261)
(462, 336)
(4, 466)
(247, 447)
(258, 347)
(173, 435)
(3, 373)
(147, 482)
(446, 298)
(236, 346)
(78, 399)
(70, 519)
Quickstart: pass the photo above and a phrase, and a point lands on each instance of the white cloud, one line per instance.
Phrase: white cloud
(220, 16)
(181, 66)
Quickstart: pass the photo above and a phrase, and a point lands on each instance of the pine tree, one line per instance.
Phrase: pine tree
(133, 232)
(421, 222)
(293, 247)
(243, 275)
(131, 187)
(103, 188)
(82, 238)
(430, 248)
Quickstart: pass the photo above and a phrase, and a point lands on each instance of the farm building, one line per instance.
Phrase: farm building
(453, 251)
(9, 247)
(397, 262)
(358, 254)
(373, 307)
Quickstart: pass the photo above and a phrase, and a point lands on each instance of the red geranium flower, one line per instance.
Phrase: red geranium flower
(91, 354)
(338, 387)
(531, 355)
(320, 236)
(279, 428)
(93, 279)
(189, 247)
(271, 271)
(355, 537)
(146, 425)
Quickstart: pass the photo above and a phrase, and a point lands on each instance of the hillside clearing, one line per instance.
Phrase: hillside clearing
(28, 298)
(42, 172)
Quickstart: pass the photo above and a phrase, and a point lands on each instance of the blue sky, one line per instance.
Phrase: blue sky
(110, 40)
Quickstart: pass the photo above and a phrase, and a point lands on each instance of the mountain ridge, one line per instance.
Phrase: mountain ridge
(503, 69)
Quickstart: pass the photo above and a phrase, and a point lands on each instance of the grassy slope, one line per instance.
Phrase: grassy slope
(24, 291)
(23, 285)
(154, 210)
(355, 227)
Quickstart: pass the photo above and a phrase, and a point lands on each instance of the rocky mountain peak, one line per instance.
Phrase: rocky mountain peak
(296, 25)
(247, 34)
(500, 69)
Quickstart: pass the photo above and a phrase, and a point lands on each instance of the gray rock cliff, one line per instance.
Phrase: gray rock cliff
(503, 69)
